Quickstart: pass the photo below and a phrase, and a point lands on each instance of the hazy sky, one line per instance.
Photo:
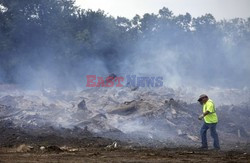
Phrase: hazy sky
(219, 8)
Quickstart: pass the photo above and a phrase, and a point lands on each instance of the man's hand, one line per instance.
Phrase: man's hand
(201, 116)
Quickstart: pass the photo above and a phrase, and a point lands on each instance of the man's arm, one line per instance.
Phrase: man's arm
(206, 113)
(203, 115)
(209, 109)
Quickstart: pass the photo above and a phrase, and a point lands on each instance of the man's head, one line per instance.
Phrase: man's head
(203, 99)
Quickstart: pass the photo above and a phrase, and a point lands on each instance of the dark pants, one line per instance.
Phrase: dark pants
(212, 127)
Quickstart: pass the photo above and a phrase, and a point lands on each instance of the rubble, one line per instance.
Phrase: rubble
(54, 148)
(112, 146)
(126, 108)
(145, 116)
(82, 105)
(24, 148)
(69, 149)
(42, 148)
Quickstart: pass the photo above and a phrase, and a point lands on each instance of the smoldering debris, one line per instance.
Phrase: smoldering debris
(24, 148)
(151, 117)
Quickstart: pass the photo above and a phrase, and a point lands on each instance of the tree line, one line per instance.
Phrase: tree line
(56, 36)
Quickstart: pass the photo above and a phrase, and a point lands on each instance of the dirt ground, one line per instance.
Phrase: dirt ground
(122, 154)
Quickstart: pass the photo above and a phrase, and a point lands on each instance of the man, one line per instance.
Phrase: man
(210, 122)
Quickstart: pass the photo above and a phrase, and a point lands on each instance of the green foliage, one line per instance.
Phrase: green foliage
(38, 33)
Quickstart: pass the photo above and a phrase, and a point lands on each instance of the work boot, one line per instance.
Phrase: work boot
(216, 149)
(203, 148)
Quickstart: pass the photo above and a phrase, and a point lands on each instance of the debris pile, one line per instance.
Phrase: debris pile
(142, 116)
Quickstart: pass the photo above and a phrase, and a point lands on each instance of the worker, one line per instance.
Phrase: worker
(210, 122)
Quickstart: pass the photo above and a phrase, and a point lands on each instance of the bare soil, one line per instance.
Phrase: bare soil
(123, 154)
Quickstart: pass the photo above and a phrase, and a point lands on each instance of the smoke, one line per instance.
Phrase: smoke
(185, 51)
(1, 75)
(181, 65)
(61, 76)
(200, 60)
(151, 129)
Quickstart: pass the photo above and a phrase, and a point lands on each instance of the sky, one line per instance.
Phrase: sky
(220, 9)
